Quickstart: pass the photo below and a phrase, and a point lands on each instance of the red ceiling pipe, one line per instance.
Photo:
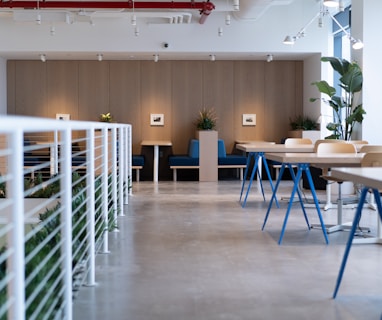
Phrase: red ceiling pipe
(205, 12)
(205, 7)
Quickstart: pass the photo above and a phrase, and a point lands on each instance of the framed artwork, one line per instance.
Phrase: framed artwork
(62, 116)
(249, 119)
(157, 119)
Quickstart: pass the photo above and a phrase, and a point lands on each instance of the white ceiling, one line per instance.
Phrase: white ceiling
(250, 12)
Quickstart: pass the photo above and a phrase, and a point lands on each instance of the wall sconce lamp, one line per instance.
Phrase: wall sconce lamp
(156, 57)
(269, 57)
(220, 31)
(42, 57)
(99, 56)
(212, 57)
(136, 31)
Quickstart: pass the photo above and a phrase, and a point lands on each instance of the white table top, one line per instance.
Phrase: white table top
(267, 147)
(368, 176)
(322, 161)
(156, 143)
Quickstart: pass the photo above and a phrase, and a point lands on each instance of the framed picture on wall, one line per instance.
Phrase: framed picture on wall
(249, 119)
(157, 119)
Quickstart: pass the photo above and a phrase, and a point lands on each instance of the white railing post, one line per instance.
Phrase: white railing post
(114, 177)
(66, 219)
(16, 262)
(105, 189)
(129, 158)
(121, 169)
(90, 196)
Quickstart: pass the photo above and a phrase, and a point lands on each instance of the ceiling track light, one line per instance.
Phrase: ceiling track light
(42, 57)
(290, 40)
(228, 19)
(269, 57)
(212, 57)
(99, 57)
(156, 57)
(236, 5)
(134, 20)
(331, 3)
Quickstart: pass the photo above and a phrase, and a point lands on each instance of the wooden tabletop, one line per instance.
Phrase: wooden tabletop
(322, 161)
(253, 142)
(370, 177)
(268, 147)
(156, 143)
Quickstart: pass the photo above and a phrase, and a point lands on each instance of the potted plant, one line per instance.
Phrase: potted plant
(302, 123)
(304, 127)
(347, 111)
(206, 119)
(106, 117)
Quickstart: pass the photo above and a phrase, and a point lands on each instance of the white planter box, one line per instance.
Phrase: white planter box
(313, 135)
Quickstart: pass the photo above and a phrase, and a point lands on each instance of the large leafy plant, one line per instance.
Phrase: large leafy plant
(347, 111)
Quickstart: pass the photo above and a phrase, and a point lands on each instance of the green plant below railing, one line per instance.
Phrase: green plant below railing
(49, 257)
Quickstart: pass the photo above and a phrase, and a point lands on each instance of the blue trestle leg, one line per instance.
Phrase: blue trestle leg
(296, 178)
(357, 218)
(256, 156)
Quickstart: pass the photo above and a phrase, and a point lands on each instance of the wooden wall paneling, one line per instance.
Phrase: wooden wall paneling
(280, 99)
(30, 92)
(93, 91)
(156, 98)
(218, 94)
(186, 102)
(62, 88)
(125, 97)
(299, 87)
(11, 87)
(249, 99)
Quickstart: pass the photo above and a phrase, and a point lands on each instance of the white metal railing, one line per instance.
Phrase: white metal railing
(62, 186)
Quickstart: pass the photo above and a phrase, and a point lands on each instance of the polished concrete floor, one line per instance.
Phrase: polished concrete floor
(188, 250)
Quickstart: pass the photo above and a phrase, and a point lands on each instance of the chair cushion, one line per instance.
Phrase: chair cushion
(193, 148)
(78, 161)
(138, 160)
(232, 160)
(221, 149)
(183, 161)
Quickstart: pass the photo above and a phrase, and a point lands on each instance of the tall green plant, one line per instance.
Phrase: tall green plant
(347, 111)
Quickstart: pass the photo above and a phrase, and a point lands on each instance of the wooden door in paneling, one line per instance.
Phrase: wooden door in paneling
(281, 102)
(30, 92)
(218, 94)
(125, 99)
(93, 89)
(249, 99)
(187, 100)
(62, 88)
(11, 87)
(156, 99)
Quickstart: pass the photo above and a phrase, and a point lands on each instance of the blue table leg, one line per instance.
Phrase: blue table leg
(254, 170)
(357, 218)
(274, 194)
(269, 178)
(249, 157)
(298, 177)
(313, 191)
(299, 195)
